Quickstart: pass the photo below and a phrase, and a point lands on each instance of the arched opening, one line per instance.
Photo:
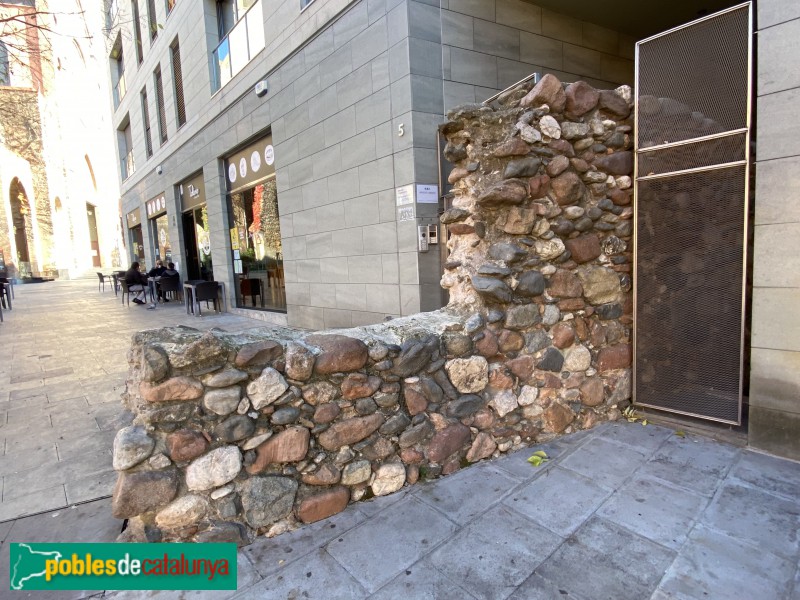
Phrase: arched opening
(21, 221)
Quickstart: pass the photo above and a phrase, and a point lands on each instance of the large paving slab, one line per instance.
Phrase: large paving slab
(63, 365)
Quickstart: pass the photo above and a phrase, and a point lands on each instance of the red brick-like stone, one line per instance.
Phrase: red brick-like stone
(620, 197)
(563, 335)
(174, 389)
(451, 465)
(562, 146)
(327, 474)
(327, 412)
(581, 98)
(339, 353)
(290, 445)
(513, 147)
(323, 505)
(581, 329)
(349, 431)
(584, 248)
(592, 391)
(508, 191)
(564, 284)
(618, 163)
(460, 229)
(484, 419)
(571, 304)
(567, 188)
(548, 91)
(411, 456)
(447, 441)
(500, 378)
(557, 417)
(538, 186)
(614, 357)
(359, 385)
(522, 367)
(258, 353)
(412, 474)
(510, 341)
(185, 445)
(487, 346)
(415, 399)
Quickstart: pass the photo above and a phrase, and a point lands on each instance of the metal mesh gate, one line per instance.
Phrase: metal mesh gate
(693, 138)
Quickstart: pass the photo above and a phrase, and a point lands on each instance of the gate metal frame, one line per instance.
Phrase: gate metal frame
(745, 162)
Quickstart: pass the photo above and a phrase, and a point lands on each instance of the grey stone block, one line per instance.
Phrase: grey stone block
(511, 71)
(343, 186)
(334, 270)
(370, 43)
(401, 96)
(404, 167)
(421, 581)
(520, 15)
(315, 194)
(297, 120)
(399, 60)
(337, 318)
(319, 48)
(423, 55)
(624, 565)
(775, 181)
(348, 242)
(427, 95)
(380, 71)
(387, 206)
(307, 317)
(373, 110)
(327, 162)
(541, 50)
(655, 511)
(318, 245)
(473, 67)
(310, 141)
(496, 40)
(397, 23)
(777, 244)
(308, 271)
(383, 298)
(322, 294)
(408, 532)
(365, 269)
(775, 380)
(353, 22)
(772, 12)
(617, 69)
(693, 462)
(775, 432)
(351, 296)
(582, 61)
(713, 565)
(457, 93)
(424, 22)
(768, 332)
(305, 222)
(778, 130)
(336, 66)
(376, 176)
(561, 501)
(331, 216)
(295, 248)
(359, 149)
(340, 126)
(771, 522)
(643, 439)
(483, 9)
(517, 548)
(452, 496)
(561, 27)
(307, 85)
(362, 210)
(355, 86)
(457, 29)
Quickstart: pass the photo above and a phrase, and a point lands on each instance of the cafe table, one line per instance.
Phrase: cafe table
(188, 294)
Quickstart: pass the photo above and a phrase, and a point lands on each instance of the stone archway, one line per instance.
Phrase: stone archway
(21, 222)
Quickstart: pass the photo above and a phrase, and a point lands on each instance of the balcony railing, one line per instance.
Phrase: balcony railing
(127, 165)
(119, 90)
(239, 47)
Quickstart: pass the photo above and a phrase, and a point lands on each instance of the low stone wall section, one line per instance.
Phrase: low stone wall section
(238, 435)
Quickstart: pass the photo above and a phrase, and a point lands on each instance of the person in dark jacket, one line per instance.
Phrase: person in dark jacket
(136, 282)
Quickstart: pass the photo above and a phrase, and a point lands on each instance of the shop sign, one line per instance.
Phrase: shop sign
(193, 193)
(156, 206)
(427, 194)
(134, 218)
(250, 165)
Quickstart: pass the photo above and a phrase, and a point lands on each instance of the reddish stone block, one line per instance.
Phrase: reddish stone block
(614, 357)
(323, 505)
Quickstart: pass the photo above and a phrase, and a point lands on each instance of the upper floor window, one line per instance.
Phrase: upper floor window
(240, 24)
(118, 71)
(148, 141)
(125, 142)
(177, 79)
(152, 20)
(304, 3)
(162, 111)
(5, 74)
(137, 30)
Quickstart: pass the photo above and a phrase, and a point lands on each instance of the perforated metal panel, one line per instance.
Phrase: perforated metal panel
(692, 130)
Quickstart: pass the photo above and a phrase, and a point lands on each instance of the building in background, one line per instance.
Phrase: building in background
(59, 214)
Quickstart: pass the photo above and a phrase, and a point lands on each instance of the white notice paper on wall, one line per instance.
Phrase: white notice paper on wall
(404, 195)
(427, 194)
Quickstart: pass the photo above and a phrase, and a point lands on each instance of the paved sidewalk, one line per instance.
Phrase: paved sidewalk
(63, 365)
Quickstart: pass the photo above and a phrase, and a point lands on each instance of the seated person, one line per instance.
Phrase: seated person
(168, 272)
(136, 282)
(158, 270)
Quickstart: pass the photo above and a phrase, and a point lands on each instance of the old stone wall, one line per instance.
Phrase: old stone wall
(237, 435)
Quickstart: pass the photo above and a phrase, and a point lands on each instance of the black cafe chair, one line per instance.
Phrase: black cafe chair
(251, 287)
(207, 291)
(101, 282)
(170, 285)
(123, 286)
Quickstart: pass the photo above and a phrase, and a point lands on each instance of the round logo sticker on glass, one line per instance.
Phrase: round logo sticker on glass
(243, 167)
(269, 155)
(205, 244)
(232, 173)
(255, 161)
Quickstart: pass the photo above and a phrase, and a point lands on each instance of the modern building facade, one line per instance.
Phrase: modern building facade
(59, 214)
(289, 148)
